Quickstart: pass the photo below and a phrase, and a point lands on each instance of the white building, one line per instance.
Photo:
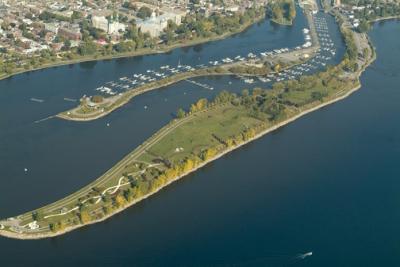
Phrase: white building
(233, 8)
(109, 27)
(52, 27)
(100, 23)
(156, 24)
(115, 27)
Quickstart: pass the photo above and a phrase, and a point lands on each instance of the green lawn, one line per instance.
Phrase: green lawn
(200, 133)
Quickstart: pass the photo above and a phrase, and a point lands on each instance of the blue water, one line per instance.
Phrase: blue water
(327, 183)
(65, 155)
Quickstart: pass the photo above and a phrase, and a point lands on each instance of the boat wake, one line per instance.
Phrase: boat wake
(270, 260)
(305, 255)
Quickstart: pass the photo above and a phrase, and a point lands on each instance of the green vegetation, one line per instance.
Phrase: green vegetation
(282, 11)
(144, 12)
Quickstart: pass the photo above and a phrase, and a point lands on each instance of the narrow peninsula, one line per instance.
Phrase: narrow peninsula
(205, 132)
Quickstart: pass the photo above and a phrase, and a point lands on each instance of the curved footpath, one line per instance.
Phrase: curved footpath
(339, 96)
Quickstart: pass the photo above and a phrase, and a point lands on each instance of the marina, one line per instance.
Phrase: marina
(322, 58)
(131, 80)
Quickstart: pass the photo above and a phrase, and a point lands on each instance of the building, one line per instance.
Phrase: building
(100, 23)
(70, 32)
(155, 25)
(113, 27)
(52, 27)
(233, 8)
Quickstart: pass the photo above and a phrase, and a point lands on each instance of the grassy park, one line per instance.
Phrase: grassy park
(207, 130)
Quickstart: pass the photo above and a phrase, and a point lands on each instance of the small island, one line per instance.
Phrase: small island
(282, 12)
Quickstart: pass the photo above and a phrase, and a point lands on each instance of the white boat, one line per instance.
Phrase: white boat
(37, 100)
(264, 80)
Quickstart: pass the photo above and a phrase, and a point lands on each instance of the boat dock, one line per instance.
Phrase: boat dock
(205, 86)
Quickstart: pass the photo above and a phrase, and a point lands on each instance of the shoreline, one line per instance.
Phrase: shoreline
(144, 52)
(25, 236)
(385, 18)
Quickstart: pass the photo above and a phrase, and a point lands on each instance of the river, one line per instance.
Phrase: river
(325, 183)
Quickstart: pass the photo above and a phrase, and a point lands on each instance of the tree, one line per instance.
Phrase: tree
(131, 32)
(144, 12)
(169, 36)
(180, 113)
(87, 48)
(37, 216)
(128, 194)
(317, 96)
(245, 92)
(188, 165)
(56, 227)
(84, 217)
(76, 15)
(129, 5)
(67, 44)
(125, 46)
(120, 201)
(364, 26)
(209, 153)
(97, 99)
(201, 104)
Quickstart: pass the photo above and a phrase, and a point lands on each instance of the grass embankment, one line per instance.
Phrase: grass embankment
(141, 52)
